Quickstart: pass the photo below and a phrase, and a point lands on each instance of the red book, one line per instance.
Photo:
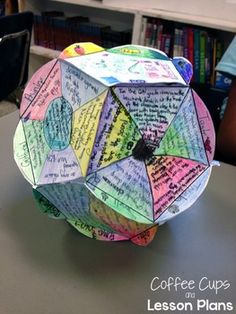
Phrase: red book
(190, 46)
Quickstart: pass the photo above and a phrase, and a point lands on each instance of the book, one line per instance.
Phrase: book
(222, 81)
(213, 62)
(159, 35)
(191, 47)
(38, 30)
(178, 42)
(167, 44)
(202, 56)
(143, 31)
(73, 27)
(148, 33)
(152, 42)
(208, 59)
(196, 55)
(47, 27)
(61, 36)
(185, 43)
(94, 32)
(217, 54)
(112, 38)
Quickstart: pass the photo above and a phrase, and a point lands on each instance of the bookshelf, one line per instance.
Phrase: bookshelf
(219, 18)
(129, 14)
(124, 14)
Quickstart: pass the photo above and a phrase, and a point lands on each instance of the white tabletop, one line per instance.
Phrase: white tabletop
(48, 267)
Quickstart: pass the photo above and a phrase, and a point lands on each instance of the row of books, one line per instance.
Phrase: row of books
(200, 46)
(54, 30)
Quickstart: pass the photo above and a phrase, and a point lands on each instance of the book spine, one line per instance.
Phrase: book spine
(222, 81)
(159, 35)
(213, 75)
(175, 46)
(167, 46)
(185, 43)
(37, 19)
(191, 47)
(202, 57)
(153, 35)
(148, 32)
(143, 31)
(196, 55)
(181, 42)
(208, 59)
(178, 42)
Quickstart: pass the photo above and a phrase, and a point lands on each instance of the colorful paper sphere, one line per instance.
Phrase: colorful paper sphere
(115, 142)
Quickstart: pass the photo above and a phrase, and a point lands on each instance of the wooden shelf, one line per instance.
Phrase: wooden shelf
(44, 52)
(210, 22)
(100, 5)
(130, 13)
(127, 7)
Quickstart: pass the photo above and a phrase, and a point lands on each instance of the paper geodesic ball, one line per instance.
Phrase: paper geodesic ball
(115, 142)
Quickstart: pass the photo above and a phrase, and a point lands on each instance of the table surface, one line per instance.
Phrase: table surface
(48, 267)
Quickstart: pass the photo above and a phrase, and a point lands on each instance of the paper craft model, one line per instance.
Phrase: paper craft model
(114, 141)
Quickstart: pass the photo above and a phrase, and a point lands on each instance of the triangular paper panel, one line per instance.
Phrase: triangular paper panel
(116, 136)
(60, 166)
(71, 199)
(124, 186)
(77, 87)
(207, 127)
(169, 178)
(121, 224)
(21, 153)
(57, 124)
(35, 84)
(48, 91)
(183, 138)
(84, 128)
(152, 108)
(47, 207)
(37, 146)
(187, 198)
